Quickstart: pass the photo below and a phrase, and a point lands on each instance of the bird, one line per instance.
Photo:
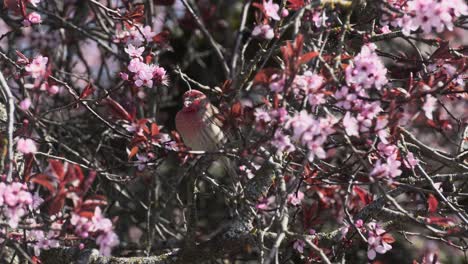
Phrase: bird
(200, 127)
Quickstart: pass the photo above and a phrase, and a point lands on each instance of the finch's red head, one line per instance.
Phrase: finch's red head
(194, 100)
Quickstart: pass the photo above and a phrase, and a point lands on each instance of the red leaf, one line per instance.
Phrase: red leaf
(264, 75)
(133, 152)
(86, 214)
(162, 37)
(441, 221)
(57, 204)
(388, 238)
(363, 195)
(307, 57)
(29, 158)
(78, 173)
(117, 109)
(15, 5)
(236, 110)
(58, 169)
(295, 4)
(45, 181)
(88, 90)
(22, 56)
(89, 180)
(432, 203)
(154, 129)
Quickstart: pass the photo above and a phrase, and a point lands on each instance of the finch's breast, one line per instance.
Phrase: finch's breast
(199, 132)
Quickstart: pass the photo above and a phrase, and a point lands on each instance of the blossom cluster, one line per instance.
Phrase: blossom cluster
(15, 201)
(44, 240)
(142, 74)
(378, 240)
(135, 35)
(311, 132)
(427, 15)
(33, 17)
(270, 12)
(367, 70)
(98, 224)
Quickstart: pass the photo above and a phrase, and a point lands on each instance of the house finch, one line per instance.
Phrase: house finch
(201, 129)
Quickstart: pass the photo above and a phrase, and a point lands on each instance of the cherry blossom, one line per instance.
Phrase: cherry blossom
(25, 104)
(282, 142)
(15, 200)
(31, 19)
(38, 67)
(389, 169)
(43, 240)
(376, 240)
(34, 2)
(410, 162)
(299, 246)
(311, 132)
(26, 146)
(351, 125)
(263, 31)
(133, 51)
(367, 70)
(271, 9)
(145, 74)
(427, 15)
(429, 106)
(295, 198)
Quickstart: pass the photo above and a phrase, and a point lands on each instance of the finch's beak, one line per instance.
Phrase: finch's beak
(188, 102)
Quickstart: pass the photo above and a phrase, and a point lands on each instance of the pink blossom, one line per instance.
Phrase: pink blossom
(345, 98)
(38, 67)
(271, 9)
(410, 162)
(299, 246)
(390, 169)
(429, 106)
(367, 70)
(263, 31)
(261, 115)
(311, 132)
(83, 226)
(31, 19)
(142, 160)
(134, 52)
(429, 15)
(351, 125)
(295, 198)
(159, 75)
(100, 223)
(15, 199)
(387, 149)
(359, 223)
(53, 89)
(144, 74)
(106, 242)
(43, 241)
(282, 142)
(35, 2)
(25, 104)
(136, 35)
(26, 146)
(375, 240)
(319, 18)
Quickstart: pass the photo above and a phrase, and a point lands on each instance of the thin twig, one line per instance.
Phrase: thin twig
(210, 38)
(11, 121)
